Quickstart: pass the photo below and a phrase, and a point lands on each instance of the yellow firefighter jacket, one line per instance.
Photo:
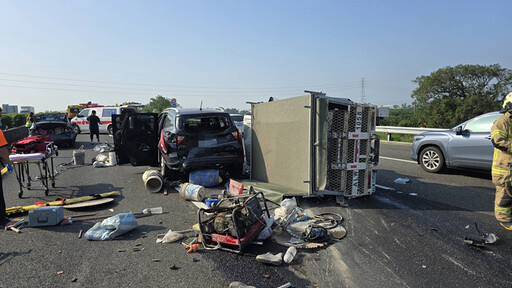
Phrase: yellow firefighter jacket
(501, 137)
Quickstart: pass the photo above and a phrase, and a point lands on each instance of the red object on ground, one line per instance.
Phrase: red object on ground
(193, 248)
(235, 187)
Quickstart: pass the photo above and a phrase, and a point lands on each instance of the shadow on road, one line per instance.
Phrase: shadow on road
(6, 257)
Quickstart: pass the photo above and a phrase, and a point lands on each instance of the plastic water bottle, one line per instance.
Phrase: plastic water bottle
(156, 210)
(290, 253)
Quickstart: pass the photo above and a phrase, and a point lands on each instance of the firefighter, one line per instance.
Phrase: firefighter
(501, 138)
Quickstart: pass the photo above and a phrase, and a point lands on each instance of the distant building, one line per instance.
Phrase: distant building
(27, 109)
(6, 108)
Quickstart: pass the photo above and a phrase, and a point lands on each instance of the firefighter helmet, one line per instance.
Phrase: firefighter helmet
(507, 103)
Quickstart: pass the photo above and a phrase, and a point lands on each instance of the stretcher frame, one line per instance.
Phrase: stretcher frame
(46, 170)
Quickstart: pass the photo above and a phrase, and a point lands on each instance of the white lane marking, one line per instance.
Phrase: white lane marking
(458, 264)
(396, 159)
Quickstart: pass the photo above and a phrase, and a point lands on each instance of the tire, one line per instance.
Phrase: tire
(76, 129)
(432, 159)
(110, 130)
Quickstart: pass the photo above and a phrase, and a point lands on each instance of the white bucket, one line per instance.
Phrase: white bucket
(152, 180)
(79, 156)
(192, 192)
(112, 158)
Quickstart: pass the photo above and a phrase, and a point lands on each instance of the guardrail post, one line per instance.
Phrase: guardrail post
(389, 136)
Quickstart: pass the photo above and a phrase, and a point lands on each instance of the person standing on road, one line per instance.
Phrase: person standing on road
(94, 129)
(4, 156)
(30, 120)
(501, 138)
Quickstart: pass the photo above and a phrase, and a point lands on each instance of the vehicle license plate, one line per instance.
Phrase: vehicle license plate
(207, 143)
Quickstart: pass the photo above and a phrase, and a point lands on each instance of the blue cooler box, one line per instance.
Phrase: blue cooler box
(45, 216)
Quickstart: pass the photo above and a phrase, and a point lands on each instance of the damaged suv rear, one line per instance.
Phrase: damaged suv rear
(181, 140)
(192, 139)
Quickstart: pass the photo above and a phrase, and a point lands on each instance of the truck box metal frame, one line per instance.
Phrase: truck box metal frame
(315, 145)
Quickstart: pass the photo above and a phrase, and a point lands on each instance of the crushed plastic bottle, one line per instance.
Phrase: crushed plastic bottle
(155, 210)
(289, 255)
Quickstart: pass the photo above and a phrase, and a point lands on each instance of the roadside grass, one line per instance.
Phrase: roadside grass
(396, 137)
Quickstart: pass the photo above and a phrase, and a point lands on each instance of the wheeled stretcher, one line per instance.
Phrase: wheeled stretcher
(43, 161)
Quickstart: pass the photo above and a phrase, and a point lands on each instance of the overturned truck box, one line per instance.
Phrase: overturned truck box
(314, 145)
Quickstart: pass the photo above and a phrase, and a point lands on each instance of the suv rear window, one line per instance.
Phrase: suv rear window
(203, 123)
(237, 118)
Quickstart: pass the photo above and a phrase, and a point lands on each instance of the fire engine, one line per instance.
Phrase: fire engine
(73, 110)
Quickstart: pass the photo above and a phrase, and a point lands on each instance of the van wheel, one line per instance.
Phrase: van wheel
(110, 130)
(76, 129)
(432, 159)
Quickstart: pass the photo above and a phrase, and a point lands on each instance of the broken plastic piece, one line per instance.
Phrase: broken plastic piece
(289, 255)
(237, 284)
(193, 248)
(402, 180)
(269, 258)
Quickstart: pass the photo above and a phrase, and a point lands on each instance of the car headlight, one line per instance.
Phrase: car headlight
(417, 138)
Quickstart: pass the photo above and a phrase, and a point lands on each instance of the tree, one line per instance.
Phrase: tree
(452, 95)
(157, 104)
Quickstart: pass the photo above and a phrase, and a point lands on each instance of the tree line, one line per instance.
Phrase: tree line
(443, 99)
(451, 95)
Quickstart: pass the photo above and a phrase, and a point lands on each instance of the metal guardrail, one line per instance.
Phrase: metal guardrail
(405, 130)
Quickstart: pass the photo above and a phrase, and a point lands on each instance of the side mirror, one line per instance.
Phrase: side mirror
(458, 130)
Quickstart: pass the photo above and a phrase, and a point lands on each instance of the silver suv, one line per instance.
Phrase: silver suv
(467, 145)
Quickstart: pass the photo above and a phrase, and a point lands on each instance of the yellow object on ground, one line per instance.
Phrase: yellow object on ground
(22, 209)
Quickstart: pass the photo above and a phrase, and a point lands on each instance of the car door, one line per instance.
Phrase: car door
(473, 147)
(136, 139)
(81, 120)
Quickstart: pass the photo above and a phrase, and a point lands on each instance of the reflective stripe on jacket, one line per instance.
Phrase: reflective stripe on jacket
(501, 138)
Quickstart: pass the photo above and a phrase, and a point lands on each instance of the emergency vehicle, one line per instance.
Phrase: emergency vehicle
(80, 123)
(73, 110)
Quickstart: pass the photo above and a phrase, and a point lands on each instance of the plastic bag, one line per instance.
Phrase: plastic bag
(170, 236)
(103, 147)
(98, 164)
(112, 227)
(287, 205)
(267, 231)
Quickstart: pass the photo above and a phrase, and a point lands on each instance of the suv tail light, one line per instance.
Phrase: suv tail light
(236, 135)
(180, 139)
(162, 143)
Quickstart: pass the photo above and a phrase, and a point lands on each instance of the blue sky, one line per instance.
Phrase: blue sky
(224, 53)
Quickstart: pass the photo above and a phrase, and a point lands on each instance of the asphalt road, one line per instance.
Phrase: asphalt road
(410, 236)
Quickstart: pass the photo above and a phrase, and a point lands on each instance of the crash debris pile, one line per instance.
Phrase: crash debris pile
(104, 159)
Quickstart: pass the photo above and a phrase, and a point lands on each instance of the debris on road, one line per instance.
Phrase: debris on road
(479, 238)
(172, 236)
(205, 178)
(238, 284)
(45, 216)
(269, 258)
(189, 191)
(402, 180)
(112, 227)
(153, 180)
